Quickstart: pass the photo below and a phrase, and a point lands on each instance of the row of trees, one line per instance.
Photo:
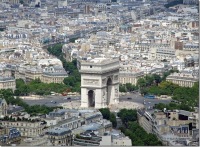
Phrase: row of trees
(8, 95)
(127, 87)
(153, 80)
(37, 87)
(73, 81)
(147, 81)
(109, 116)
(136, 133)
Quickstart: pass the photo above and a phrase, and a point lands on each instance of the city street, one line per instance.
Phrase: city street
(56, 100)
(52, 101)
(135, 97)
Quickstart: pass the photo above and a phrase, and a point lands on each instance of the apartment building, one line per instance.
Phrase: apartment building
(145, 120)
(9, 136)
(184, 80)
(51, 74)
(130, 77)
(165, 53)
(6, 79)
(60, 136)
(7, 83)
(28, 73)
(29, 128)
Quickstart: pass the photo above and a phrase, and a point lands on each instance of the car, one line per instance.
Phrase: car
(69, 98)
(129, 98)
(149, 102)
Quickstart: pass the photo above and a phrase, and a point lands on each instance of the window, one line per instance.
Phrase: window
(90, 66)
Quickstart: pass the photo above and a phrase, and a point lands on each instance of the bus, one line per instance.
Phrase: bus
(150, 96)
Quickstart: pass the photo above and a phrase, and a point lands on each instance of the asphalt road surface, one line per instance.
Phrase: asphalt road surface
(52, 101)
(136, 97)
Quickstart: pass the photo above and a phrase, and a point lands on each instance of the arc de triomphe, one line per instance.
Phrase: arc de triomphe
(99, 82)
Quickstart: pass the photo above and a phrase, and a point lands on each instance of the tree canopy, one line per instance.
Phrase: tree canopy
(38, 88)
(128, 87)
(109, 116)
(136, 133)
(74, 79)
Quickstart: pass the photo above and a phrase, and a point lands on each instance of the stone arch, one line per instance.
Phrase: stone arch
(91, 98)
(109, 90)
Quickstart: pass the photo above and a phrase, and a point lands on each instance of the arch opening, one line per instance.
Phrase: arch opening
(109, 90)
(91, 98)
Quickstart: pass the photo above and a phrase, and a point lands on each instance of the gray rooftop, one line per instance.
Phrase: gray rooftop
(2, 79)
(58, 131)
(91, 126)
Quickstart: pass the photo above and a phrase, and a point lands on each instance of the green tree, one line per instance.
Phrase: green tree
(141, 82)
(122, 88)
(127, 115)
(130, 87)
(37, 87)
(149, 80)
(157, 78)
(105, 112)
(113, 120)
(70, 81)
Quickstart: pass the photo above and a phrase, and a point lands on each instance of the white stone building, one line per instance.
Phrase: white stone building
(182, 79)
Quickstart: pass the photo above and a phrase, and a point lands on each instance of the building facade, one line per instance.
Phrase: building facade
(60, 136)
(129, 77)
(7, 83)
(52, 74)
(27, 129)
(145, 120)
(9, 136)
(182, 80)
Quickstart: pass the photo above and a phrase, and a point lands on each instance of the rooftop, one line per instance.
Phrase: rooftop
(58, 131)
